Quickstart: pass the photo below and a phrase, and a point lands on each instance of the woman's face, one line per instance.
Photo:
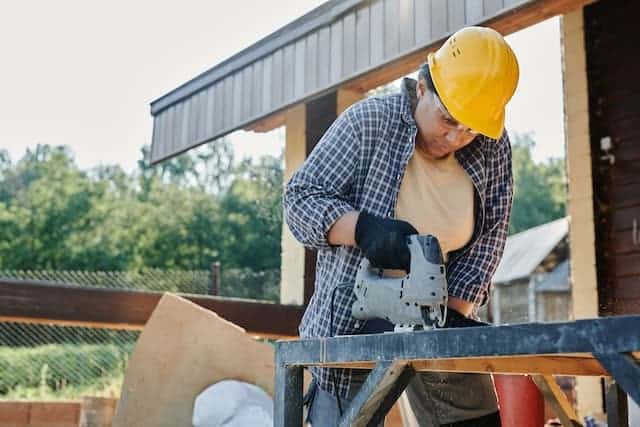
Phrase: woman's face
(438, 133)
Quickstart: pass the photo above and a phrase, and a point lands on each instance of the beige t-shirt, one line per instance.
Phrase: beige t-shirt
(436, 197)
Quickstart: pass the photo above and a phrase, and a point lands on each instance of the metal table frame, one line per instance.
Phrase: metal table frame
(393, 358)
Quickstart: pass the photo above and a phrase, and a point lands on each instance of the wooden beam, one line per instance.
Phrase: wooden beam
(45, 302)
(545, 365)
(554, 395)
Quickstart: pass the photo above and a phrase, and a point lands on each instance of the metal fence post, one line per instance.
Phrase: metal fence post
(215, 278)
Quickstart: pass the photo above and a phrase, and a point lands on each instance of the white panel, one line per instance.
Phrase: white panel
(256, 105)
(288, 72)
(406, 20)
(491, 7)
(362, 39)
(248, 93)
(218, 119)
(156, 138)
(324, 61)
(311, 68)
(277, 79)
(422, 21)
(349, 44)
(210, 111)
(300, 68)
(438, 18)
(228, 102)
(335, 72)
(377, 31)
(474, 11)
(184, 125)
(391, 29)
(455, 15)
(194, 119)
(238, 94)
(267, 83)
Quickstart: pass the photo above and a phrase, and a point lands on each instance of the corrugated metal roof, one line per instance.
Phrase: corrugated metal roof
(524, 251)
(334, 43)
(557, 280)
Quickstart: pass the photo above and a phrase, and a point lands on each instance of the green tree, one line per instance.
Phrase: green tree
(540, 190)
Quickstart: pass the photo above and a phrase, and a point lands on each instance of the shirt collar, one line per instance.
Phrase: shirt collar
(410, 100)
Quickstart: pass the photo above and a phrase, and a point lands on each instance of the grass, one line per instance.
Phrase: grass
(62, 371)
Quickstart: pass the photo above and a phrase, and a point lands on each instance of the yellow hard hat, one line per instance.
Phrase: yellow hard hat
(475, 73)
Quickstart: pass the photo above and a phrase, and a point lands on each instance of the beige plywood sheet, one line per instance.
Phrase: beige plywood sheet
(182, 350)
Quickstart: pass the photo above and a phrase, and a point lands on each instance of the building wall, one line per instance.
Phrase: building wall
(613, 67)
(553, 306)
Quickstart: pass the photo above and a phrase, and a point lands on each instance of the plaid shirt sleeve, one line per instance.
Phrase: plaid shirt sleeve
(470, 274)
(317, 194)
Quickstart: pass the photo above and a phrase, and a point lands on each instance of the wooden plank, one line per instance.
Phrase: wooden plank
(202, 117)
(218, 119)
(335, 70)
(14, 413)
(45, 302)
(238, 94)
(377, 31)
(177, 127)
(363, 54)
(258, 75)
(277, 79)
(267, 84)
(455, 14)
(491, 7)
(300, 58)
(422, 21)
(544, 365)
(228, 103)
(554, 395)
(248, 93)
(439, 19)
(311, 53)
(625, 195)
(391, 29)
(625, 241)
(324, 58)
(349, 44)
(194, 120)
(288, 73)
(406, 21)
(473, 11)
(156, 134)
(54, 414)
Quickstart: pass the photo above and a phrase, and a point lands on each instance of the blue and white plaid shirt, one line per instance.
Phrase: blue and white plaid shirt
(358, 165)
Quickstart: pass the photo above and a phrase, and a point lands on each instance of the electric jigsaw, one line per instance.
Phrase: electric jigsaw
(415, 301)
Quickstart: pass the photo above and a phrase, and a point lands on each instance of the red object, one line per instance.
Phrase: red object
(521, 403)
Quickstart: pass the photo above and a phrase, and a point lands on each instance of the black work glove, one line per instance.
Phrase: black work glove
(384, 241)
(455, 319)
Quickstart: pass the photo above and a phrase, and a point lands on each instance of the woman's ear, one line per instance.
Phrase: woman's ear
(421, 88)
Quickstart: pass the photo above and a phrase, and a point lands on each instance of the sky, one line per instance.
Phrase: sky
(82, 73)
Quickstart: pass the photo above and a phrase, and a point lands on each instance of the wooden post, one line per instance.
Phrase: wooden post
(215, 278)
(97, 412)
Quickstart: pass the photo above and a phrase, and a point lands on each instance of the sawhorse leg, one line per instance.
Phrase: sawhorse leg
(383, 386)
(288, 396)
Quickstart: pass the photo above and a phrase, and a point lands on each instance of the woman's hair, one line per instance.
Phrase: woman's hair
(425, 74)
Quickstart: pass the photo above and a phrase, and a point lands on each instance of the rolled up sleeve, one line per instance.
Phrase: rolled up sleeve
(470, 275)
(318, 193)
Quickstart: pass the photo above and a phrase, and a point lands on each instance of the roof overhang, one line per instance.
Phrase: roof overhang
(358, 44)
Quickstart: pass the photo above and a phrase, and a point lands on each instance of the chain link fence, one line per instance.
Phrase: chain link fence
(49, 362)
